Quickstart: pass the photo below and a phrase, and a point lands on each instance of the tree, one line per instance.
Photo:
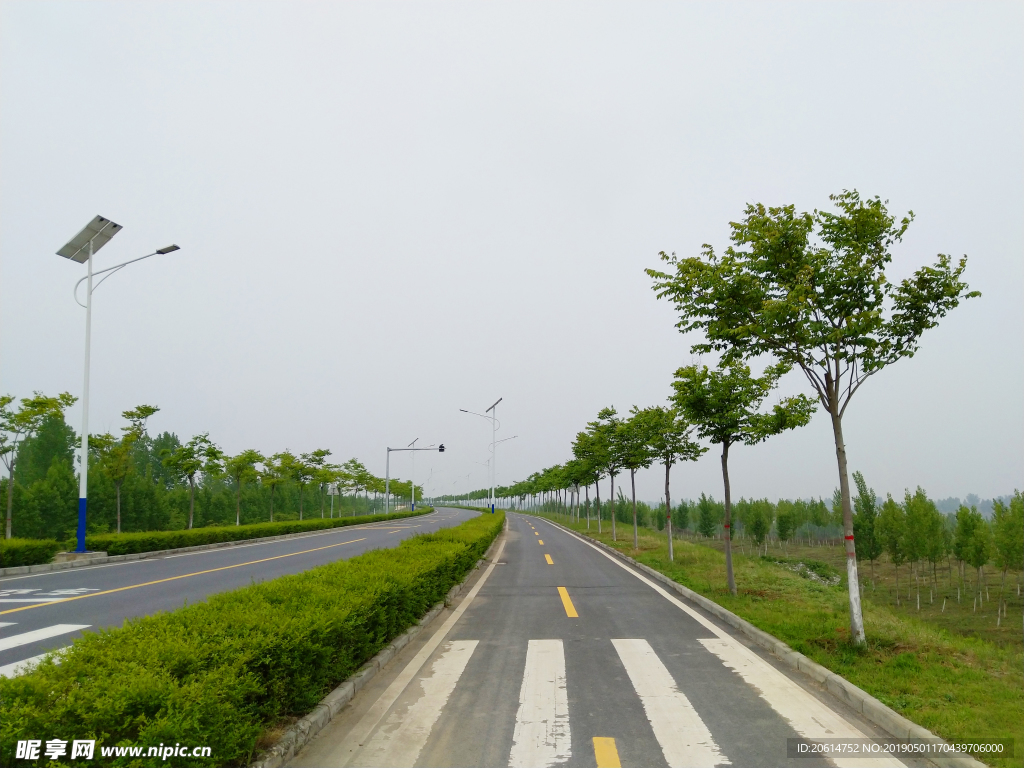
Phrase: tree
(632, 442)
(1008, 538)
(823, 306)
(759, 525)
(603, 430)
(320, 471)
(240, 469)
(591, 449)
(197, 456)
(669, 440)
(865, 505)
(117, 457)
(723, 404)
(979, 550)
(706, 519)
(784, 524)
(891, 527)
(17, 425)
(275, 472)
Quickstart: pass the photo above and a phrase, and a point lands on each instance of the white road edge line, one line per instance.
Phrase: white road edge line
(686, 742)
(542, 738)
(729, 647)
(399, 741)
(365, 727)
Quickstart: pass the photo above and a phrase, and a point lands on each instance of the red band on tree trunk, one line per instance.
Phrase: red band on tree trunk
(849, 538)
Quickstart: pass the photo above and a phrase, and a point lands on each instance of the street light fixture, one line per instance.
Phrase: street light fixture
(387, 474)
(81, 248)
(494, 419)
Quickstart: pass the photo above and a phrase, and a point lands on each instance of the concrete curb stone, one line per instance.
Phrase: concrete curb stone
(863, 702)
(296, 737)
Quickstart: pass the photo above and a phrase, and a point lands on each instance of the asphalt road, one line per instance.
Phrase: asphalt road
(560, 654)
(46, 611)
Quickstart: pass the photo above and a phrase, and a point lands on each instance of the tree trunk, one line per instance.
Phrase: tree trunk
(10, 500)
(586, 492)
(728, 519)
(897, 586)
(272, 488)
(632, 483)
(668, 512)
(191, 500)
(853, 583)
(238, 503)
(611, 503)
(597, 496)
(117, 488)
(300, 502)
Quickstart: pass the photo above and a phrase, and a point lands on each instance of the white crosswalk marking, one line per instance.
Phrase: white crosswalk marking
(541, 738)
(808, 716)
(38, 634)
(399, 741)
(26, 665)
(685, 741)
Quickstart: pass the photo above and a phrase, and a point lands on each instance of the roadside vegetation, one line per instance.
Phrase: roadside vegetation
(954, 673)
(231, 671)
(142, 482)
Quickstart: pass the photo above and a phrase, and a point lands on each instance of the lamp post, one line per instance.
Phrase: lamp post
(81, 249)
(387, 473)
(494, 453)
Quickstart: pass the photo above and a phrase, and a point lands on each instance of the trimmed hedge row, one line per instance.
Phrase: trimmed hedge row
(14, 552)
(154, 541)
(221, 672)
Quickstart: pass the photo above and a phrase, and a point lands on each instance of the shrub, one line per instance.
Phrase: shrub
(219, 672)
(14, 552)
(154, 541)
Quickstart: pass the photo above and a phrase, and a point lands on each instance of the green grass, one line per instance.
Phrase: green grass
(226, 671)
(959, 687)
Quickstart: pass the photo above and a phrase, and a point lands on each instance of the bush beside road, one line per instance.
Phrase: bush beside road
(222, 672)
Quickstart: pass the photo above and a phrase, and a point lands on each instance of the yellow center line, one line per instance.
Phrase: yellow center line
(548, 558)
(175, 578)
(606, 753)
(570, 609)
(536, 534)
(540, 541)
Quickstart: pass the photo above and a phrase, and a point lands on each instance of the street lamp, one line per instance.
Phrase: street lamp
(387, 474)
(81, 249)
(493, 418)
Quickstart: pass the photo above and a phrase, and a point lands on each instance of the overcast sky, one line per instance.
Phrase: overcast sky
(390, 211)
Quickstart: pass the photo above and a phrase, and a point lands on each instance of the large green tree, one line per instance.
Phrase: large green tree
(811, 290)
(670, 442)
(603, 431)
(19, 423)
(199, 456)
(241, 468)
(632, 441)
(724, 404)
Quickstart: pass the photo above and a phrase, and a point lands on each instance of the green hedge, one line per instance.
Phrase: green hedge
(15, 552)
(221, 672)
(154, 541)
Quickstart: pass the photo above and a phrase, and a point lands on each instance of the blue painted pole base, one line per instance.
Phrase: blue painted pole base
(81, 525)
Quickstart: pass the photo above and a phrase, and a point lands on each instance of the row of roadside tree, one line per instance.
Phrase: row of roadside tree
(141, 482)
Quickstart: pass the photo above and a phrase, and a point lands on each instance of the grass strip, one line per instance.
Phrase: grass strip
(961, 688)
(222, 672)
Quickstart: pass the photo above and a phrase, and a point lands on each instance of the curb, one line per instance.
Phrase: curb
(18, 570)
(861, 701)
(296, 737)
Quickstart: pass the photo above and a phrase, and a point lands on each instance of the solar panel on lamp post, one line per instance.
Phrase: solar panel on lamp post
(81, 248)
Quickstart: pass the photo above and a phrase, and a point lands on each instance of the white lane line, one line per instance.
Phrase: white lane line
(31, 600)
(738, 650)
(808, 716)
(27, 665)
(7, 624)
(399, 741)
(685, 740)
(541, 737)
(25, 638)
(368, 723)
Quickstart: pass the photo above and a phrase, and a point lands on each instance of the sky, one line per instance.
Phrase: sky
(391, 211)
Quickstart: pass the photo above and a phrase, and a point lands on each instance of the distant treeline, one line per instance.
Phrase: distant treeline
(139, 482)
